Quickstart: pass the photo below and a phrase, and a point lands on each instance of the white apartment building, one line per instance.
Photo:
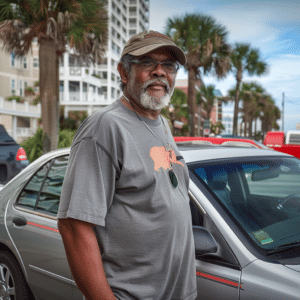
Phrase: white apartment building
(17, 73)
(90, 87)
(82, 87)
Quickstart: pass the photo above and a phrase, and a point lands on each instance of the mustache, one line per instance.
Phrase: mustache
(156, 80)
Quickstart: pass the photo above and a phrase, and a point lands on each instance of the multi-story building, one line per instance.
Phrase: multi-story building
(82, 87)
(16, 74)
(88, 88)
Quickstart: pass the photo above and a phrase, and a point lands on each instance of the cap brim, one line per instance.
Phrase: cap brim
(179, 54)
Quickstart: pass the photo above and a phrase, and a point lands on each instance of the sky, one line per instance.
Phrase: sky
(272, 26)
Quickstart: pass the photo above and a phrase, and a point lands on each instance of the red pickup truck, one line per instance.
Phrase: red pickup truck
(289, 143)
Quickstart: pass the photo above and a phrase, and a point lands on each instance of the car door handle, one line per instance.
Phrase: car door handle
(19, 221)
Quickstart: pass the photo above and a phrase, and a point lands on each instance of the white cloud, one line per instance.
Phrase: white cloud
(270, 25)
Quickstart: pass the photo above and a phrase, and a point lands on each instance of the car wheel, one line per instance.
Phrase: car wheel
(12, 282)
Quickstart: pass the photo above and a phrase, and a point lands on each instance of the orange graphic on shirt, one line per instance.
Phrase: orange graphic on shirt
(162, 158)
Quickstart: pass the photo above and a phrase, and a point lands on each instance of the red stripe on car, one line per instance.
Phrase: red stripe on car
(42, 226)
(219, 279)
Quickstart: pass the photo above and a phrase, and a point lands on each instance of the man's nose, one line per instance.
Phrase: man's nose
(159, 71)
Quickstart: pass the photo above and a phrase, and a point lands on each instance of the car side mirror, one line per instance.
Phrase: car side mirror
(204, 241)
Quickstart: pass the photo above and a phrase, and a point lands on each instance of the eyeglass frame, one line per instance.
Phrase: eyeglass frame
(138, 62)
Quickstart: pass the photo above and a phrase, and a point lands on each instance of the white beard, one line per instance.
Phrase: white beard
(155, 103)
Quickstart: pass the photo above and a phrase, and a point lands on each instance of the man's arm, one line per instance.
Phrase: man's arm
(84, 259)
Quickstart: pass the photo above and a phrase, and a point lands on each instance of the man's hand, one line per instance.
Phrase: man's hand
(84, 259)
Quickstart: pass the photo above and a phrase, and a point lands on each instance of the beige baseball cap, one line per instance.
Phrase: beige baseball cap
(145, 42)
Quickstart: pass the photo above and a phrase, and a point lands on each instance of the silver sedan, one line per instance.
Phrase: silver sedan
(245, 208)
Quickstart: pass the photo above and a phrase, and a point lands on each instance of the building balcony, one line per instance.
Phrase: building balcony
(80, 74)
(75, 71)
(133, 2)
(84, 98)
(19, 109)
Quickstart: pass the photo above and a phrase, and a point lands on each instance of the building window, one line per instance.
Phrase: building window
(13, 87)
(113, 77)
(21, 87)
(12, 59)
(104, 90)
(61, 86)
(24, 62)
(104, 75)
(113, 92)
(35, 62)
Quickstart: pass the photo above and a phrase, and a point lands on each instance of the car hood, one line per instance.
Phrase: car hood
(294, 267)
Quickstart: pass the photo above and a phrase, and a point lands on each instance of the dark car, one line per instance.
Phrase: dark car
(13, 157)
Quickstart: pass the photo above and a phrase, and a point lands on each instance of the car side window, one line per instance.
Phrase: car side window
(48, 200)
(30, 193)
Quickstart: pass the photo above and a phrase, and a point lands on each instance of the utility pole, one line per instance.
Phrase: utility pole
(282, 117)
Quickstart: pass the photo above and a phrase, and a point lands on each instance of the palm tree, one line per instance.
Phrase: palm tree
(54, 24)
(271, 113)
(258, 93)
(244, 59)
(253, 98)
(177, 109)
(206, 92)
(204, 42)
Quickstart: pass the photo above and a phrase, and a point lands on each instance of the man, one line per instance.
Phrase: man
(124, 214)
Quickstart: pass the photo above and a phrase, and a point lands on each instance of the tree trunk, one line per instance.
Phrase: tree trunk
(250, 127)
(236, 101)
(191, 100)
(49, 92)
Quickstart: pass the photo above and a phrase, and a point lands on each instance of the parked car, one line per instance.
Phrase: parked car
(245, 209)
(226, 141)
(13, 157)
(288, 143)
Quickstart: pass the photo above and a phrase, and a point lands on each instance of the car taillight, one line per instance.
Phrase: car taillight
(21, 155)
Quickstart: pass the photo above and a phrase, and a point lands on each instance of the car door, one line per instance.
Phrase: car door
(218, 275)
(32, 225)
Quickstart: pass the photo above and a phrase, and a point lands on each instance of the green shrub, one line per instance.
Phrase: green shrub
(65, 138)
(33, 146)
(17, 98)
(29, 91)
(36, 100)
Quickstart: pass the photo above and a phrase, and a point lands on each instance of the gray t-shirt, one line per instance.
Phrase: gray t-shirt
(117, 178)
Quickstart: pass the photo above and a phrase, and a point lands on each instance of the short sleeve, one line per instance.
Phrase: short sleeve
(89, 183)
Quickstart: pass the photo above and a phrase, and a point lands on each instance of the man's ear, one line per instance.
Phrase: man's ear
(123, 73)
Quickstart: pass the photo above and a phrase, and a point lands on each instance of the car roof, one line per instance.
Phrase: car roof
(217, 152)
(192, 152)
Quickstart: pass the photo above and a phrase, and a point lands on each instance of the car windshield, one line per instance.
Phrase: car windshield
(262, 195)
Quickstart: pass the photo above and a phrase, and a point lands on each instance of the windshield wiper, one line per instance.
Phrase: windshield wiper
(284, 247)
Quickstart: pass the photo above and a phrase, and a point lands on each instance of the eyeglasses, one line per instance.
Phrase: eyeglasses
(150, 65)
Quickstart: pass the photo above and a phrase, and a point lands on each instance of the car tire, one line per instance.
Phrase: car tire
(12, 281)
